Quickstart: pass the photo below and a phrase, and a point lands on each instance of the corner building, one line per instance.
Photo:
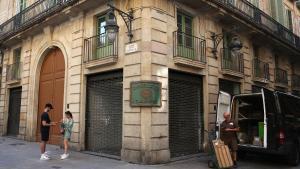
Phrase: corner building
(57, 51)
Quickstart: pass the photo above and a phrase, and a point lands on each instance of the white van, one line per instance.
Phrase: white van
(269, 122)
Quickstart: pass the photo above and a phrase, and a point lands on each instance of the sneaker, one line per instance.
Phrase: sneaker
(47, 153)
(44, 157)
(64, 156)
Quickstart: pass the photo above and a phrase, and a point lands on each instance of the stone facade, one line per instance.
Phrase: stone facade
(145, 135)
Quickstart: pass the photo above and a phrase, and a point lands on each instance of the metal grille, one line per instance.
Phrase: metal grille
(186, 115)
(14, 111)
(104, 113)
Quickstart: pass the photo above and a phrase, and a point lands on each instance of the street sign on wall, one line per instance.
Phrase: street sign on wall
(145, 94)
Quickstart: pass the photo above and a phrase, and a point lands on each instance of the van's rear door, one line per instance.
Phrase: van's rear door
(224, 102)
(271, 115)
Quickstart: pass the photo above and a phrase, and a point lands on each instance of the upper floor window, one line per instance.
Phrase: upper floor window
(277, 10)
(20, 5)
(101, 23)
(288, 19)
(255, 51)
(185, 29)
(17, 55)
(254, 2)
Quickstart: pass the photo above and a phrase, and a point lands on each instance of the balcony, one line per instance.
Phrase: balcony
(258, 18)
(261, 71)
(232, 63)
(281, 78)
(296, 82)
(35, 13)
(189, 50)
(98, 51)
(13, 73)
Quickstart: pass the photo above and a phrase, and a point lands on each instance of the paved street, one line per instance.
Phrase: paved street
(16, 154)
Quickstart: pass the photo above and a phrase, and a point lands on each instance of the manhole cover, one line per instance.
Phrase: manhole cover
(56, 167)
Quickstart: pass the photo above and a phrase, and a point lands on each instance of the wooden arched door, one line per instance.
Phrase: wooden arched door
(51, 90)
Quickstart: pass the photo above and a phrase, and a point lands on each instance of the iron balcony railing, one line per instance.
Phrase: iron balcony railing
(296, 81)
(189, 47)
(98, 47)
(13, 72)
(261, 69)
(33, 14)
(262, 20)
(281, 76)
(232, 61)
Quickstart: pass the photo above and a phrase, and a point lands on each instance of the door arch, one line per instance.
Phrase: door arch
(51, 90)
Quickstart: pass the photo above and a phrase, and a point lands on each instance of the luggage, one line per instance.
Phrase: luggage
(223, 154)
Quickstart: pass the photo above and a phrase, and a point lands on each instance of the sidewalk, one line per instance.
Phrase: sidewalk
(17, 154)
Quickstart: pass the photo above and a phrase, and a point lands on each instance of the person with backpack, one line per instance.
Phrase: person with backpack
(66, 130)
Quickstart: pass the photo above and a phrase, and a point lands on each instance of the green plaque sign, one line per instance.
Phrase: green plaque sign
(145, 94)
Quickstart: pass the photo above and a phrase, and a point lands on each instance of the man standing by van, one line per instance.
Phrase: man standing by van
(45, 130)
(229, 136)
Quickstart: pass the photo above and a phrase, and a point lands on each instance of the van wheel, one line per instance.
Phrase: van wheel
(294, 158)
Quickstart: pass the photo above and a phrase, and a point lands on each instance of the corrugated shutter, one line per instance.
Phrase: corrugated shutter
(104, 113)
(186, 114)
(14, 112)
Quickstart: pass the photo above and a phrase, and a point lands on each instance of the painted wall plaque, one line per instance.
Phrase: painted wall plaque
(145, 94)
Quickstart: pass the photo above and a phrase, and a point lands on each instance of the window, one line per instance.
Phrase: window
(277, 10)
(233, 88)
(103, 47)
(226, 41)
(186, 43)
(255, 3)
(20, 5)
(288, 19)
(255, 51)
(17, 55)
(185, 29)
(101, 23)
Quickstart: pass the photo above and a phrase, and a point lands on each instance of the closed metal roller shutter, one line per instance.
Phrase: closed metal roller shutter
(14, 112)
(185, 108)
(104, 113)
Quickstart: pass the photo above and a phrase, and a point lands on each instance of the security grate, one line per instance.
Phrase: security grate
(14, 111)
(104, 113)
(186, 114)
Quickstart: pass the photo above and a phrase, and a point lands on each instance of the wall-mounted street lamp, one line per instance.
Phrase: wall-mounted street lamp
(235, 44)
(112, 27)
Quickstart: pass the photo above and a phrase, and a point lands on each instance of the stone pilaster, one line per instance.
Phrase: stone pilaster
(74, 79)
(145, 130)
(25, 76)
(3, 95)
